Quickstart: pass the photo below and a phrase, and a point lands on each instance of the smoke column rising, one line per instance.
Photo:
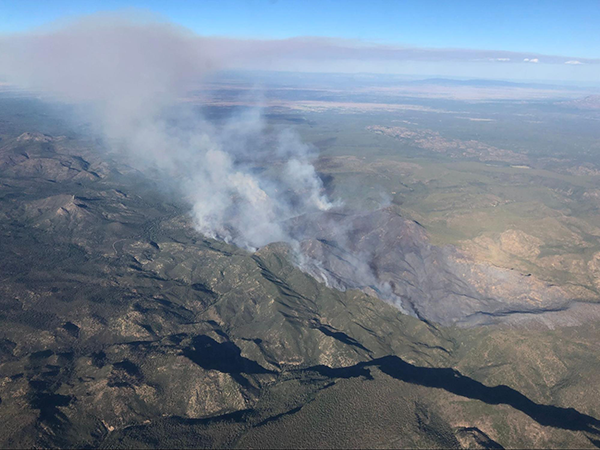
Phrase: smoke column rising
(133, 73)
(244, 185)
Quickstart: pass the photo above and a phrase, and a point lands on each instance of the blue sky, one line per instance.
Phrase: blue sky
(528, 28)
(550, 27)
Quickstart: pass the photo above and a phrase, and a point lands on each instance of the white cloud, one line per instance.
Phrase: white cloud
(532, 60)
(573, 62)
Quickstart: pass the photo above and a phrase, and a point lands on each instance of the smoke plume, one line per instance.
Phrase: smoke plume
(133, 73)
(244, 185)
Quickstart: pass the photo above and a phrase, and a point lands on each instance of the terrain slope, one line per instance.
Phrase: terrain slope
(121, 326)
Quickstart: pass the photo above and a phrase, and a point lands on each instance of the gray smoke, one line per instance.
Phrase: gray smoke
(244, 185)
(134, 73)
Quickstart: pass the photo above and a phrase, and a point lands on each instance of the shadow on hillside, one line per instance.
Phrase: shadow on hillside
(452, 381)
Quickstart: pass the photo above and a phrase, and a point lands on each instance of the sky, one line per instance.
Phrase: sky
(529, 28)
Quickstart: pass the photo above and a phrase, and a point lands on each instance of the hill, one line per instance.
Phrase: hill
(121, 326)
